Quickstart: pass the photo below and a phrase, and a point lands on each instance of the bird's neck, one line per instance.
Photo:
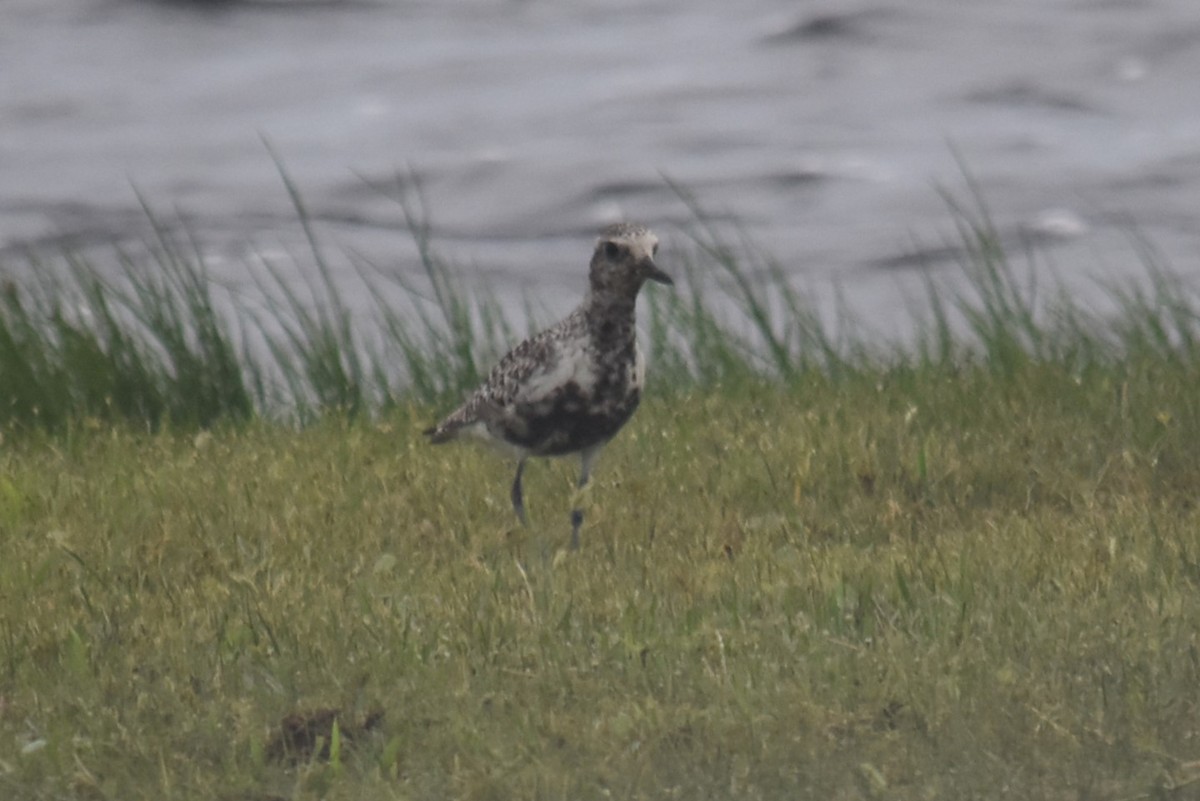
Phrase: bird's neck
(610, 315)
(609, 303)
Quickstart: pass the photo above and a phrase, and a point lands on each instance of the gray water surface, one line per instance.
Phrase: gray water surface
(823, 128)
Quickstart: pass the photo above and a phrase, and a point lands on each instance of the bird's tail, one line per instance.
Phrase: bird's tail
(440, 433)
(437, 434)
(473, 411)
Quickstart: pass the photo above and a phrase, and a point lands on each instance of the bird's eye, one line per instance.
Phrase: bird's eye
(654, 250)
(612, 250)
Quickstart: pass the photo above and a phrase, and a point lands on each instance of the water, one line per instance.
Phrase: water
(823, 128)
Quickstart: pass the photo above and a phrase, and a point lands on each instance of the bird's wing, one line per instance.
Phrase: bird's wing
(528, 374)
(533, 370)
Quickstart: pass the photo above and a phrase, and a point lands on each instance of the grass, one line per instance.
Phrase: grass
(162, 343)
(976, 587)
(811, 568)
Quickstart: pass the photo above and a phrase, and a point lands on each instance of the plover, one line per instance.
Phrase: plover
(570, 388)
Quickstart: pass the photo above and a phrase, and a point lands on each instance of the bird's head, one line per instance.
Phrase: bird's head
(624, 260)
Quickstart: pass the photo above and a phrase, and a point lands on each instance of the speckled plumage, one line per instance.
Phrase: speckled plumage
(570, 388)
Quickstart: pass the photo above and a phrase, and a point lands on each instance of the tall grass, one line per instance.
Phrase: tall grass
(161, 343)
(153, 348)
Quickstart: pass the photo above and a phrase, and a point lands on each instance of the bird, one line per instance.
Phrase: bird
(570, 388)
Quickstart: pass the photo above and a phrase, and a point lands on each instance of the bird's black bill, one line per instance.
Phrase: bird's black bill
(655, 274)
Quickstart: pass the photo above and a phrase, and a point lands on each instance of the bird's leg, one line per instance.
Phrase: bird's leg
(576, 522)
(586, 459)
(518, 500)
